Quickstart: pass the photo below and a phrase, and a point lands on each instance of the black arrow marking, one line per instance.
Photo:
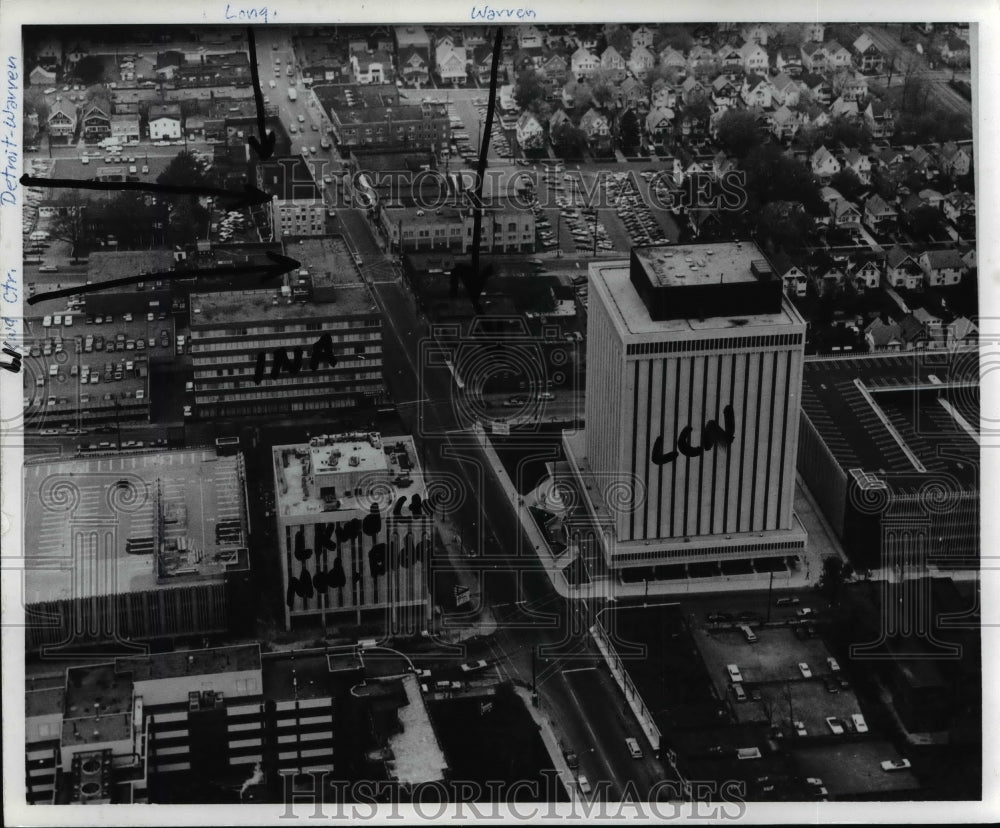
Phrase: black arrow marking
(474, 279)
(265, 146)
(281, 265)
(251, 195)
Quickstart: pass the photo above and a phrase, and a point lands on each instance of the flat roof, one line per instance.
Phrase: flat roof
(191, 662)
(44, 702)
(102, 266)
(399, 461)
(260, 305)
(98, 684)
(93, 729)
(632, 318)
(297, 678)
(69, 502)
(418, 757)
(694, 264)
(340, 453)
(329, 261)
(907, 389)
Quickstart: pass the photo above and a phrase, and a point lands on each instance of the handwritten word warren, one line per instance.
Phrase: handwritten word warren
(490, 13)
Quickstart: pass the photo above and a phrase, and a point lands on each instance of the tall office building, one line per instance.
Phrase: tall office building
(694, 374)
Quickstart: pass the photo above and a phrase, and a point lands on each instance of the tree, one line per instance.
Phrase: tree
(185, 170)
(771, 175)
(631, 136)
(737, 132)
(847, 183)
(529, 89)
(925, 221)
(570, 141)
(832, 577)
(90, 69)
(673, 35)
(660, 76)
(851, 132)
(621, 38)
(783, 224)
(70, 224)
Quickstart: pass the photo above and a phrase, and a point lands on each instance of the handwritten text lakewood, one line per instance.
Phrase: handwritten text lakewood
(490, 13)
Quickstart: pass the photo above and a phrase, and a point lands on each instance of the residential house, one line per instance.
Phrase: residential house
(785, 123)
(824, 165)
(792, 276)
(902, 269)
(959, 206)
(704, 33)
(529, 37)
(554, 67)
(879, 216)
(955, 51)
(858, 163)
(815, 32)
(49, 52)
(755, 57)
(126, 70)
(826, 274)
(643, 37)
(843, 108)
(96, 120)
(931, 198)
(693, 90)
(482, 65)
(837, 57)
(62, 121)
(942, 267)
(788, 59)
(725, 92)
(413, 67)
(883, 335)
(584, 63)
(722, 163)
(867, 55)
(758, 33)
(575, 94)
(757, 91)
(845, 215)
(613, 63)
(818, 87)
(595, 126)
(912, 333)
(786, 90)
(865, 274)
(955, 160)
(666, 96)
(411, 36)
(660, 123)
(145, 68)
(557, 119)
(961, 331)
(890, 158)
(701, 59)
(164, 122)
(852, 85)
(671, 58)
(529, 131)
(931, 323)
(730, 59)
(633, 95)
(125, 128)
(922, 161)
(879, 118)
(372, 67)
(450, 60)
(40, 76)
(641, 61)
(814, 57)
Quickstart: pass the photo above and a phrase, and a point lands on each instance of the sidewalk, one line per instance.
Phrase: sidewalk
(612, 589)
(547, 731)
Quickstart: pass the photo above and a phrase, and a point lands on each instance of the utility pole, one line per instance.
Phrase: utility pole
(534, 672)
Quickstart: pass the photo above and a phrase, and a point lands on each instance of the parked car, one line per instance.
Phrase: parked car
(804, 669)
(860, 725)
(787, 602)
(805, 612)
(899, 764)
(474, 666)
(734, 672)
(800, 728)
(633, 748)
(835, 725)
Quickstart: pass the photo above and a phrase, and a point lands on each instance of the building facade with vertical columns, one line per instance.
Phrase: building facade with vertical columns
(694, 372)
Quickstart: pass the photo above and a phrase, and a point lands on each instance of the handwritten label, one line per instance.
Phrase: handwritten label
(12, 162)
(10, 326)
(510, 13)
(250, 13)
(711, 436)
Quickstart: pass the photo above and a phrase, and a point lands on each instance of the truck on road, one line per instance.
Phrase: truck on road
(293, 93)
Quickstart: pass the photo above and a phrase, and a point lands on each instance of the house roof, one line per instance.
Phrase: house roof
(897, 255)
(657, 115)
(882, 333)
(854, 158)
(526, 119)
(782, 81)
(948, 257)
(821, 156)
(842, 207)
(643, 54)
(584, 54)
(164, 111)
(833, 46)
(911, 328)
(924, 316)
(876, 205)
(783, 115)
(63, 107)
(863, 44)
(751, 47)
(790, 53)
(591, 118)
(672, 55)
(558, 117)
(879, 109)
(408, 53)
(962, 327)
(753, 81)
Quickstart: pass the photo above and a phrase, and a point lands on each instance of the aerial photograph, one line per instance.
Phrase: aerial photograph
(337, 490)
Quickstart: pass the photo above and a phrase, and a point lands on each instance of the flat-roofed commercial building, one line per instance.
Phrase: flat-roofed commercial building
(297, 208)
(505, 229)
(235, 336)
(354, 537)
(694, 371)
(135, 548)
